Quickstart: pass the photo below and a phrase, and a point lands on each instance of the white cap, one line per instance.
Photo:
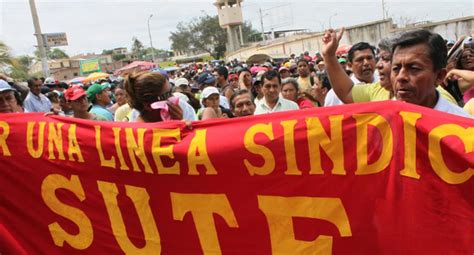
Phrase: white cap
(4, 86)
(181, 81)
(209, 91)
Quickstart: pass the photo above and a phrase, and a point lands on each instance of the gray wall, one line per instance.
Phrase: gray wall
(370, 32)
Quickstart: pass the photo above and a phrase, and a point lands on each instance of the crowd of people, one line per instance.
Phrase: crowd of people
(414, 67)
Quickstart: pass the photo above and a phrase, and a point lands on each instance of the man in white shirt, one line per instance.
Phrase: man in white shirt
(272, 102)
(362, 62)
(35, 101)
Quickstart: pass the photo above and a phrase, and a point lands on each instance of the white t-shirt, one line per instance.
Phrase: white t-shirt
(444, 105)
(281, 106)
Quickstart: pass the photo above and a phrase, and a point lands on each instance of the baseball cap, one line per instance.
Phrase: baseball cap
(450, 42)
(209, 91)
(283, 69)
(259, 76)
(342, 60)
(74, 93)
(95, 89)
(206, 78)
(181, 82)
(50, 82)
(4, 86)
(233, 76)
(268, 64)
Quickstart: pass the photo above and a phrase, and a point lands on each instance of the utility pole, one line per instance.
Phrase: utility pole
(39, 39)
(151, 41)
(383, 10)
(330, 17)
(261, 23)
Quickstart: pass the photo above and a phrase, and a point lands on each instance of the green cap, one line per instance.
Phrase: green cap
(342, 60)
(93, 90)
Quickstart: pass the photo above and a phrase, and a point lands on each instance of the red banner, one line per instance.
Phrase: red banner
(379, 178)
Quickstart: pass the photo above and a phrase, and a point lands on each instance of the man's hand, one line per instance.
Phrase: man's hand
(331, 42)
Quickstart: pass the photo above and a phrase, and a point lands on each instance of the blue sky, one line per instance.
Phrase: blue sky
(104, 24)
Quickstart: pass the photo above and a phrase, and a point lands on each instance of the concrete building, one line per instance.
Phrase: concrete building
(121, 50)
(60, 69)
(370, 32)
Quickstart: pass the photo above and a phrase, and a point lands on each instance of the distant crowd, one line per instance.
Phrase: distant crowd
(418, 67)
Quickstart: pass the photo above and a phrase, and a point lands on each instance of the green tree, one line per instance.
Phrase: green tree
(57, 54)
(5, 57)
(137, 48)
(52, 54)
(107, 52)
(205, 34)
(117, 57)
(25, 60)
(250, 34)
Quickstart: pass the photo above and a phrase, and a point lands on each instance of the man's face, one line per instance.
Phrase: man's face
(243, 105)
(288, 91)
(384, 67)
(80, 105)
(363, 65)
(103, 97)
(219, 78)
(303, 69)
(271, 89)
(413, 78)
(36, 87)
(8, 103)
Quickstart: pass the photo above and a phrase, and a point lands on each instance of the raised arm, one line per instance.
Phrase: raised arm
(341, 83)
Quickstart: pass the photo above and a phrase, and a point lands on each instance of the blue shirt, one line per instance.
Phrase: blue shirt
(101, 111)
(34, 103)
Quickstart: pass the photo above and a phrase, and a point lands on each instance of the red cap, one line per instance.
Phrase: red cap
(74, 93)
(233, 76)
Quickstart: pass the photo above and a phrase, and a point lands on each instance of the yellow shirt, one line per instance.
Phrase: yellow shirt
(304, 83)
(369, 92)
(122, 113)
(469, 106)
(375, 92)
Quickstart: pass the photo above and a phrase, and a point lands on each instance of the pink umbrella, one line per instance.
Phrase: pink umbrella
(343, 49)
(256, 69)
(137, 65)
(77, 80)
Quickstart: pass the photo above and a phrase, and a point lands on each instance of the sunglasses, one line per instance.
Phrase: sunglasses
(165, 96)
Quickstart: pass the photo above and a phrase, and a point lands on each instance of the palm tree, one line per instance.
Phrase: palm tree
(5, 58)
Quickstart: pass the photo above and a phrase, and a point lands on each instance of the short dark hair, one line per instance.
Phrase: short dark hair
(32, 80)
(437, 49)
(239, 93)
(302, 60)
(359, 46)
(269, 75)
(324, 80)
(222, 70)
